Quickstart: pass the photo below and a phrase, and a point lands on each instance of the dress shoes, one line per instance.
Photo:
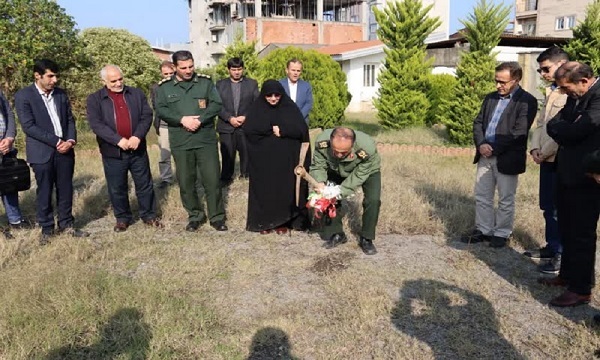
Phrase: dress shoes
(335, 240)
(569, 298)
(541, 253)
(265, 232)
(281, 230)
(498, 242)
(7, 234)
(74, 232)
(555, 281)
(121, 226)
(367, 246)
(154, 223)
(192, 226)
(474, 237)
(219, 226)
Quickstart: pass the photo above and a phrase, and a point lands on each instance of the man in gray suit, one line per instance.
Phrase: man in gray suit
(298, 90)
(237, 92)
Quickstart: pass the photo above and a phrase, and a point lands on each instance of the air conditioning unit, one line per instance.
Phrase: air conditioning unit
(519, 29)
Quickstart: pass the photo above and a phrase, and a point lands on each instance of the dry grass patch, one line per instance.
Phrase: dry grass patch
(170, 294)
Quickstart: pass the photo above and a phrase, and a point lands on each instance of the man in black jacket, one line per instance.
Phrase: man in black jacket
(121, 117)
(237, 93)
(500, 134)
(576, 129)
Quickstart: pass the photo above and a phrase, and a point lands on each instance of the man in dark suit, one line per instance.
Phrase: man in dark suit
(237, 92)
(576, 129)
(47, 121)
(298, 90)
(120, 117)
(500, 134)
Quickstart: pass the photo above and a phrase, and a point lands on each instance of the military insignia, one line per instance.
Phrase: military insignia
(323, 144)
(202, 103)
(362, 154)
(163, 81)
(204, 76)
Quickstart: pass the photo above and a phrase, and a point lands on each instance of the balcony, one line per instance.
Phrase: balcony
(526, 9)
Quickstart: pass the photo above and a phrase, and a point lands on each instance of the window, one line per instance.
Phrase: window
(565, 22)
(369, 75)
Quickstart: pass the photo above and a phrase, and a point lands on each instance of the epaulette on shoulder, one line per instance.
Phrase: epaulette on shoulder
(204, 76)
(323, 144)
(165, 80)
(362, 154)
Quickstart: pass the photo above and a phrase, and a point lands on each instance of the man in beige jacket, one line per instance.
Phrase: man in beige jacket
(543, 152)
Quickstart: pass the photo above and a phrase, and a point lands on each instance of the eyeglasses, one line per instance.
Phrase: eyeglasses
(544, 69)
(273, 95)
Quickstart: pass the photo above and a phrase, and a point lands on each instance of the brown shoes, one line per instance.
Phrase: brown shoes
(154, 223)
(555, 281)
(281, 230)
(120, 227)
(569, 298)
(265, 232)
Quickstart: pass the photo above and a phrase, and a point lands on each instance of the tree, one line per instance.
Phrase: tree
(441, 87)
(245, 51)
(475, 70)
(328, 81)
(403, 28)
(33, 30)
(585, 45)
(103, 46)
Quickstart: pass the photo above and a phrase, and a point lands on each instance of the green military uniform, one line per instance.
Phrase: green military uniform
(194, 152)
(360, 168)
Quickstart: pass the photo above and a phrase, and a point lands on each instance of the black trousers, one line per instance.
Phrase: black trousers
(578, 210)
(230, 144)
(57, 174)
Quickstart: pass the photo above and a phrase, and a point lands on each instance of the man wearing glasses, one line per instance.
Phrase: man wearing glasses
(500, 135)
(543, 151)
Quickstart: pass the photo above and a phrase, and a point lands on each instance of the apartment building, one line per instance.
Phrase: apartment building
(214, 24)
(553, 18)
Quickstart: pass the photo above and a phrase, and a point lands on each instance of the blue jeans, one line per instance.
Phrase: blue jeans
(11, 205)
(548, 180)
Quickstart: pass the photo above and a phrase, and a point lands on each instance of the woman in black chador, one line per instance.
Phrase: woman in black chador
(275, 131)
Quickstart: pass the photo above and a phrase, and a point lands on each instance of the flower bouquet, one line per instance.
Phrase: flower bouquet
(324, 203)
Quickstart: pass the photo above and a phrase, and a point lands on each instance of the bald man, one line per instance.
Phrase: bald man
(120, 117)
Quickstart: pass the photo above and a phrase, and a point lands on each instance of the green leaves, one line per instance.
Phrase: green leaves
(403, 28)
(585, 45)
(475, 71)
(33, 30)
(328, 81)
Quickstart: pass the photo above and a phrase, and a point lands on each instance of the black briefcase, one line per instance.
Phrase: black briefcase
(14, 175)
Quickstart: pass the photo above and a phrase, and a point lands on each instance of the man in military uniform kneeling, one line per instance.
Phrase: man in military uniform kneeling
(349, 158)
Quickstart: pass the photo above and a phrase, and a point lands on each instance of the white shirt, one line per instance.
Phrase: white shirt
(293, 89)
(51, 107)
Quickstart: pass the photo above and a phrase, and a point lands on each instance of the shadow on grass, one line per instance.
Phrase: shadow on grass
(124, 333)
(454, 208)
(270, 343)
(441, 315)
(95, 203)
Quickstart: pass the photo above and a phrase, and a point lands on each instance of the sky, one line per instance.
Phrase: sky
(159, 24)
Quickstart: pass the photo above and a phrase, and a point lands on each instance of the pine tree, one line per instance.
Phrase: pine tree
(245, 51)
(403, 28)
(475, 71)
(585, 45)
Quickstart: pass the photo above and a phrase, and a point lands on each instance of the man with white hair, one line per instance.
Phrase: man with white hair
(120, 117)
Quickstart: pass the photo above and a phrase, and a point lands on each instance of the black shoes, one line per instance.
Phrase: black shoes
(498, 242)
(219, 226)
(163, 185)
(45, 238)
(474, 237)
(541, 253)
(367, 246)
(552, 266)
(192, 226)
(74, 232)
(335, 240)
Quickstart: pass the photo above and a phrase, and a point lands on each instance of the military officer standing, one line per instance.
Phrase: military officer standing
(349, 158)
(189, 103)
